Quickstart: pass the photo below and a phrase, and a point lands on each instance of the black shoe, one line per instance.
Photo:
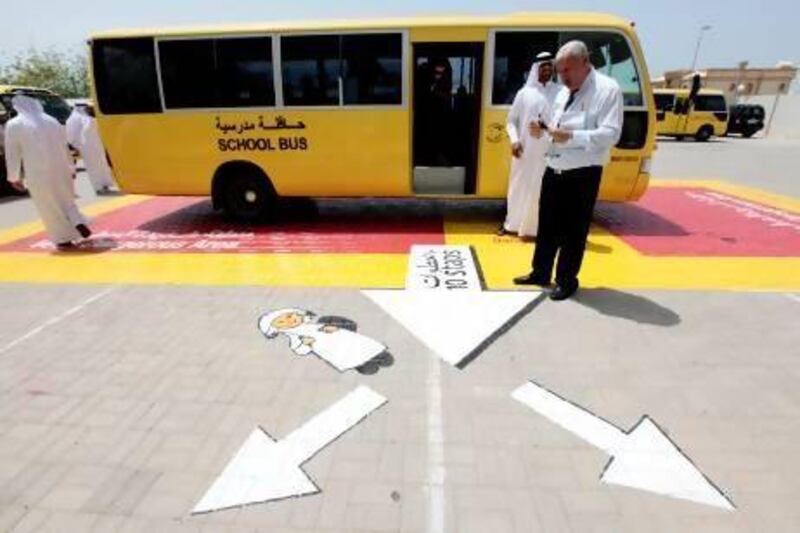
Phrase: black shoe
(502, 231)
(384, 359)
(84, 231)
(534, 278)
(563, 291)
(65, 246)
(369, 368)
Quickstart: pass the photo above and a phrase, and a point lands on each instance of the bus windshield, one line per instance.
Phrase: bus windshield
(609, 52)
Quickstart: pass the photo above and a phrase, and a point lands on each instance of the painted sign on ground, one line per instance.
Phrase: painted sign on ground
(642, 458)
(456, 323)
(695, 221)
(189, 225)
(265, 469)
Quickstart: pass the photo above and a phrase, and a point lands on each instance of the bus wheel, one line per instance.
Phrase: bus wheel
(245, 193)
(704, 133)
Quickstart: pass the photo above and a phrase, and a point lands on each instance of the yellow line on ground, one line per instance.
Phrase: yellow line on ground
(308, 270)
(32, 228)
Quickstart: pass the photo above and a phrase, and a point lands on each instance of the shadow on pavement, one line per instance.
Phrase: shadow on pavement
(632, 307)
(91, 246)
(628, 220)
(598, 248)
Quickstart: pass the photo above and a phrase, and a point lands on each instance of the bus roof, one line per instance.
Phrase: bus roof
(545, 19)
(5, 89)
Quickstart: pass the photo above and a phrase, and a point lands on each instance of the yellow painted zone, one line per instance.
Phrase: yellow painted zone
(609, 261)
(304, 270)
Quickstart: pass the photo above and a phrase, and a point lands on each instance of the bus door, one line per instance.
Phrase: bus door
(680, 116)
(446, 117)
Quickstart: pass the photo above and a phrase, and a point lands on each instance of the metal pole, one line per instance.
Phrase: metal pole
(703, 29)
(772, 113)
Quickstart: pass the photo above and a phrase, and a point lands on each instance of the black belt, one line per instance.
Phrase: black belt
(559, 172)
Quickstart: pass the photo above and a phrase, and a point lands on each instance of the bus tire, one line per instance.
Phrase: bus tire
(244, 192)
(748, 133)
(704, 133)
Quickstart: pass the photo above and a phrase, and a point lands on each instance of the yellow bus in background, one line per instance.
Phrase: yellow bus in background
(701, 117)
(382, 108)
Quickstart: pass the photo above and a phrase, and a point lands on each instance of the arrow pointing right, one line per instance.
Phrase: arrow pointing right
(642, 458)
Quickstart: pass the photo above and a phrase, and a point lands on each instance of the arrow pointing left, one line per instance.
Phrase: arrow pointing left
(265, 469)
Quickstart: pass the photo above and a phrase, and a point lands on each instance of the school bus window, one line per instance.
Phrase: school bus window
(310, 68)
(187, 73)
(244, 69)
(125, 76)
(198, 73)
(513, 53)
(372, 69)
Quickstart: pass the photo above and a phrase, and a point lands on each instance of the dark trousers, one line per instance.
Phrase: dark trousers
(566, 204)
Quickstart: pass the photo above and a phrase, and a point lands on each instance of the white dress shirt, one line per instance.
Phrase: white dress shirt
(595, 119)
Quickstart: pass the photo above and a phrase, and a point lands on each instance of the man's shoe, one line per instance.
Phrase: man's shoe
(65, 246)
(502, 231)
(534, 278)
(563, 291)
(84, 231)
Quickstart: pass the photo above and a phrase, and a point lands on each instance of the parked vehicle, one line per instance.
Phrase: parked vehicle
(248, 114)
(746, 119)
(680, 114)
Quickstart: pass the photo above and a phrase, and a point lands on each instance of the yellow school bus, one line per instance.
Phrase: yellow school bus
(704, 116)
(378, 108)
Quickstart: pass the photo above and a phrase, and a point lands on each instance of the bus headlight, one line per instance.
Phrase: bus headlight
(645, 165)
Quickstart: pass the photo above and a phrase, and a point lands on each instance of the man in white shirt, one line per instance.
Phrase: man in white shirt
(587, 123)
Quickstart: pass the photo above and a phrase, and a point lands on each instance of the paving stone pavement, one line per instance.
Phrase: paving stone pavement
(117, 414)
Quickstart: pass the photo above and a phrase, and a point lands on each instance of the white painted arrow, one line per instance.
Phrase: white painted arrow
(642, 458)
(445, 307)
(265, 470)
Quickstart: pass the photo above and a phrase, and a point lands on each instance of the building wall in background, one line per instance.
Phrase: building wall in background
(786, 123)
(736, 83)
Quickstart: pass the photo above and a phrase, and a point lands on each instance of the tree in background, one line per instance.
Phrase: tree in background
(63, 73)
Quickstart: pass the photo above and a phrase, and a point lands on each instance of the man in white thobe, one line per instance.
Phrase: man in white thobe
(74, 126)
(38, 143)
(94, 154)
(532, 103)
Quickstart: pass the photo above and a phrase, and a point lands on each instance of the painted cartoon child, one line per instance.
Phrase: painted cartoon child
(342, 348)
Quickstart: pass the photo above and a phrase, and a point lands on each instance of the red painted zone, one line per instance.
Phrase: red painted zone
(189, 225)
(693, 221)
